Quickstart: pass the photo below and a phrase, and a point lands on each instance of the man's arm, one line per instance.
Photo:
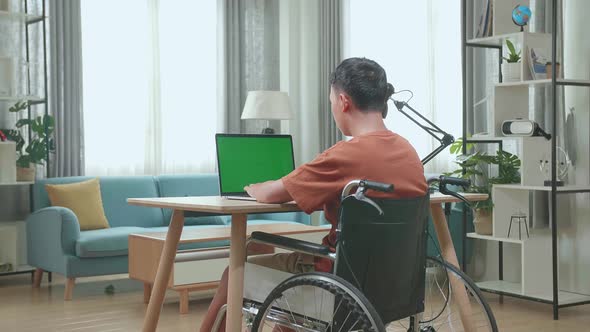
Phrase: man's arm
(269, 192)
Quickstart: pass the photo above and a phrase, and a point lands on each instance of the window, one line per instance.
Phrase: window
(150, 80)
(419, 45)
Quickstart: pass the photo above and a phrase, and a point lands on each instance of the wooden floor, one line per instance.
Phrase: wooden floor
(25, 309)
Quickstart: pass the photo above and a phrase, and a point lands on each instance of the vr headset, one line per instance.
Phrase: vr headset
(521, 127)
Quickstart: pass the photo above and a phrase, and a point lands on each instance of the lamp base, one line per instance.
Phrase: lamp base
(268, 131)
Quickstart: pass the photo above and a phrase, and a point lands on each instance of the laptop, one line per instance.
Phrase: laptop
(247, 159)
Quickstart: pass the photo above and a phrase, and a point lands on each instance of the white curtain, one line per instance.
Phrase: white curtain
(300, 68)
(150, 86)
(419, 45)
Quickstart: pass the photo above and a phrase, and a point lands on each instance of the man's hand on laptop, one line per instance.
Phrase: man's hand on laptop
(269, 192)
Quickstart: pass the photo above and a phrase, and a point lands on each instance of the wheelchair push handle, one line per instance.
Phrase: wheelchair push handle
(444, 180)
(361, 187)
(377, 186)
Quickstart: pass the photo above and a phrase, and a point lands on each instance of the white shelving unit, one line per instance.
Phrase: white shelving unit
(23, 52)
(532, 262)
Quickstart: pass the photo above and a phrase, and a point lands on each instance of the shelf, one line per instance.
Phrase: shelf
(497, 41)
(32, 99)
(569, 188)
(573, 82)
(513, 288)
(20, 183)
(21, 16)
(19, 269)
(524, 83)
(495, 139)
(547, 81)
(492, 238)
(485, 139)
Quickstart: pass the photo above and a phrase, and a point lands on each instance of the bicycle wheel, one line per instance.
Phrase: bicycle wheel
(441, 305)
(316, 302)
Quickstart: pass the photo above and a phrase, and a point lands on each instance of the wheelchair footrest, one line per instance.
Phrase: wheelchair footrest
(291, 244)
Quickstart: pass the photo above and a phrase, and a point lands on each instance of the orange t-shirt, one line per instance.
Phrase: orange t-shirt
(381, 156)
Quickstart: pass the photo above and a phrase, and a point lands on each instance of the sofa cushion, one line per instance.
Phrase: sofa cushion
(40, 197)
(84, 199)
(190, 185)
(114, 241)
(114, 192)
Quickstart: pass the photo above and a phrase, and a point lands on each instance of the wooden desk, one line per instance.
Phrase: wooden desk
(239, 210)
(212, 204)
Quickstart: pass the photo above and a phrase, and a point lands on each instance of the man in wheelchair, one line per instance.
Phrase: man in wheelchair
(358, 95)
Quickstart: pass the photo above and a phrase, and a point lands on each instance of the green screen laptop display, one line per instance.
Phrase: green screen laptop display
(248, 159)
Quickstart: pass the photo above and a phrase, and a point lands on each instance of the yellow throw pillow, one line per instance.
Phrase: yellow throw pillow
(84, 199)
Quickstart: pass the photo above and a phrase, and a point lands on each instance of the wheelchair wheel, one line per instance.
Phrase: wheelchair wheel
(316, 302)
(441, 307)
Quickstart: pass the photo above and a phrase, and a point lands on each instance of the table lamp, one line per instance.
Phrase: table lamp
(267, 105)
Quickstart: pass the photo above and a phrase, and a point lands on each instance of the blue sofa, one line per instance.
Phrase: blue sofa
(56, 244)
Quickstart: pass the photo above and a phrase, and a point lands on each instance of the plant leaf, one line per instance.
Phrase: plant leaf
(22, 122)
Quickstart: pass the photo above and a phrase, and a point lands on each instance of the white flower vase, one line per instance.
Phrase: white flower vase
(511, 71)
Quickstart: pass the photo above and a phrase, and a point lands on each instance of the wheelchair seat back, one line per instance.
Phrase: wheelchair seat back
(385, 255)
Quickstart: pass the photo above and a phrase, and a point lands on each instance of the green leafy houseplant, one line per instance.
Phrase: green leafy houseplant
(475, 167)
(513, 57)
(41, 141)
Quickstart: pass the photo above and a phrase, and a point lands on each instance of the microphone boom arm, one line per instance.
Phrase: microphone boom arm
(445, 139)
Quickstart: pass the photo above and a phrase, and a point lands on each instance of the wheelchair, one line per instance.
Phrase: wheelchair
(381, 279)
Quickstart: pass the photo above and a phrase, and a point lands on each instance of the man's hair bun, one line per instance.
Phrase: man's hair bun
(390, 90)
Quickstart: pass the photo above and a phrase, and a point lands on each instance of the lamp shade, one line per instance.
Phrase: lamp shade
(267, 105)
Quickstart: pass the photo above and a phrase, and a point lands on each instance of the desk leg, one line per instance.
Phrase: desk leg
(449, 255)
(237, 257)
(150, 321)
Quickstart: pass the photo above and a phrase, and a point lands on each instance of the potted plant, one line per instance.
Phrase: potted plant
(39, 145)
(476, 167)
(511, 68)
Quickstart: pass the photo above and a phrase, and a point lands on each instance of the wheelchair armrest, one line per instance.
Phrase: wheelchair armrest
(291, 244)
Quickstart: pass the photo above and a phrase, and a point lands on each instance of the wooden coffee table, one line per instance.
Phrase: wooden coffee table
(199, 269)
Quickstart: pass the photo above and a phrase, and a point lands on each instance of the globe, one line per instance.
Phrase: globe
(521, 15)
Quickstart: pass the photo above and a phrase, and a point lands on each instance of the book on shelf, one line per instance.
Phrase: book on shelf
(538, 58)
(484, 28)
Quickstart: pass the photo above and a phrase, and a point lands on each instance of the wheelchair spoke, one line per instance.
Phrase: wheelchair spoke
(345, 320)
(290, 311)
(334, 315)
